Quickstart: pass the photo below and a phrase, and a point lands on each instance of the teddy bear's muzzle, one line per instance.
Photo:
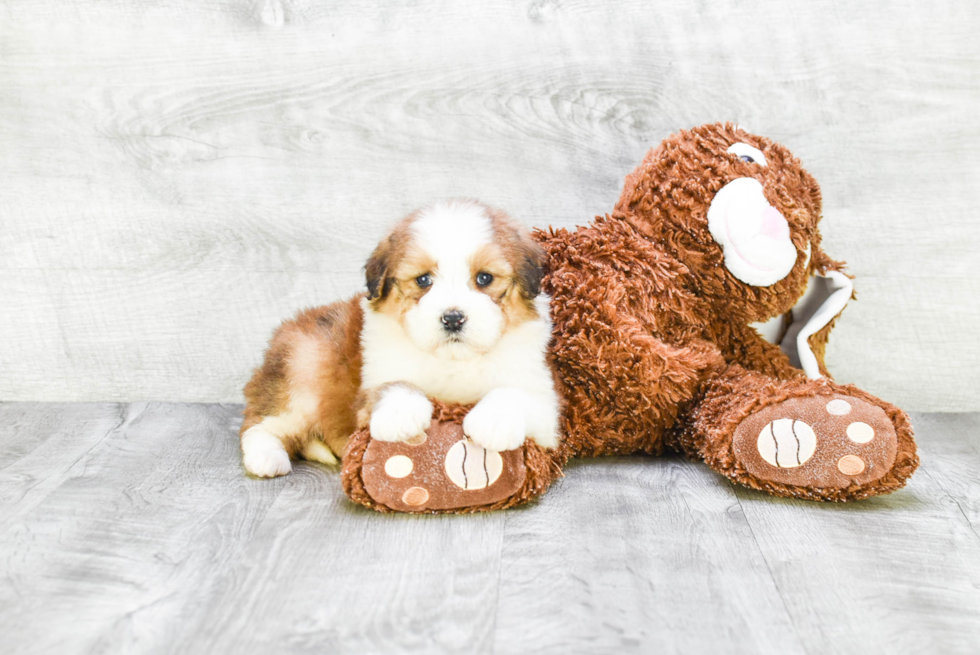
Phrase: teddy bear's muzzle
(754, 235)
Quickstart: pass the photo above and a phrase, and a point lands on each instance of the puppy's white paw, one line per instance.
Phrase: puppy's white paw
(400, 415)
(263, 454)
(497, 422)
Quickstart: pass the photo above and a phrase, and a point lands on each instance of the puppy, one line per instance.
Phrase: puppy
(453, 311)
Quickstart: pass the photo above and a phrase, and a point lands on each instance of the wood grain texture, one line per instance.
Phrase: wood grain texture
(175, 179)
(133, 528)
(874, 577)
(633, 553)
(114, 535)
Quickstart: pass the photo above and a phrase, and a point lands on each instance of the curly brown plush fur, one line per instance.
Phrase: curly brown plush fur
(652, 331)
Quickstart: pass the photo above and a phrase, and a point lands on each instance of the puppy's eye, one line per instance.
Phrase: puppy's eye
(483, 279)
(747, 158)
(424, 281)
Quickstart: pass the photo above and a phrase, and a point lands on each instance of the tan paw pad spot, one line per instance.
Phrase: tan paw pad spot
(415, 496)
(838, 407)
(398, 466)
(417, 440)
(860, 432)
(850, 465)
(787, 443)
(472, 467)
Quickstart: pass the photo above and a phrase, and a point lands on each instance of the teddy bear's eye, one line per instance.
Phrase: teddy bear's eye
(747, 153)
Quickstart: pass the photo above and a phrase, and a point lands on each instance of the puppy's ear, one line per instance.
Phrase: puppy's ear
(525, 255)
(529, 266)
(376, 271)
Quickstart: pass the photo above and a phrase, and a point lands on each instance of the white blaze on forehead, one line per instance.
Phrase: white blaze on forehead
(450, 232)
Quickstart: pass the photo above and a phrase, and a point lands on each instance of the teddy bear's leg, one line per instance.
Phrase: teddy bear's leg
(804, 438)
(441, 470)
(624, 387)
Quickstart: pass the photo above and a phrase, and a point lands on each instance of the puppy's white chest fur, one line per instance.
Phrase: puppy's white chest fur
(516, 360)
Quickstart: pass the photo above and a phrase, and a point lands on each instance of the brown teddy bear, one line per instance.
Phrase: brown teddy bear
(695, 318)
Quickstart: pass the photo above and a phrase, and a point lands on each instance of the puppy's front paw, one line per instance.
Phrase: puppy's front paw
(400, 415)
(497, 422)
(263, 454)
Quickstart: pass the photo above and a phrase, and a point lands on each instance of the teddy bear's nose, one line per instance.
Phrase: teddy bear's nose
(774, 225)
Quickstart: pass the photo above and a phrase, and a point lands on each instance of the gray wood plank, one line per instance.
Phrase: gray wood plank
(321, 575)
(638, 555)
(42, 444)
(177, 178)
(899, 573)
(953, 461)
(25, 427)
(134, 529)
(125, 548)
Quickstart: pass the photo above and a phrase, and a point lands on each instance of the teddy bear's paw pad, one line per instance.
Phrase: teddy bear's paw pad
(440, 470)
(818, 442)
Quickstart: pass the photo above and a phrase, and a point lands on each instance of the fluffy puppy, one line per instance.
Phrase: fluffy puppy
(453, 311)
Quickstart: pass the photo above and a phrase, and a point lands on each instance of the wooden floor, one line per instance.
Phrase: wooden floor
(133, 529)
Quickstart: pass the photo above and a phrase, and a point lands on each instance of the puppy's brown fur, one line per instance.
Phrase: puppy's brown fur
(318, 352)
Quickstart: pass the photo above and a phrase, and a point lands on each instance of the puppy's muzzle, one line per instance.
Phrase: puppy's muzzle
(452, 320)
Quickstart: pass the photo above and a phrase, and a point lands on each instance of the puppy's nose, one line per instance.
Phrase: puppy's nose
(453, 320)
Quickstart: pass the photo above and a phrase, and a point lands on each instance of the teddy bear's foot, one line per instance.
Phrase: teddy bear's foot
(804, 438)
(442, 471)
(828, 442)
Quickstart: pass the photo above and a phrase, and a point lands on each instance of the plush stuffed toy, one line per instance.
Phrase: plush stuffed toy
(693, 318)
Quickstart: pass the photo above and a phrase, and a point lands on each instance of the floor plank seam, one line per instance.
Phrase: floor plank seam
(82, 456)
(43, 441)
(500, 575)
(122, 409)
(775, 583)
(924, 471)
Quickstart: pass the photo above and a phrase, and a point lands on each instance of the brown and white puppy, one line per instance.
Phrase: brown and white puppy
(453, 312)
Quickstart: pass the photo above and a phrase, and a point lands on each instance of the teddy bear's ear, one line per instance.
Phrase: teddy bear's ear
(637, 183)
(821, 262)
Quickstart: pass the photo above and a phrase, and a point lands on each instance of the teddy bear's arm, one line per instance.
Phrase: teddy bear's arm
(744, 345)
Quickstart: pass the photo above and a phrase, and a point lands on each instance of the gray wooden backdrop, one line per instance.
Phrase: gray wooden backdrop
(175, 178)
